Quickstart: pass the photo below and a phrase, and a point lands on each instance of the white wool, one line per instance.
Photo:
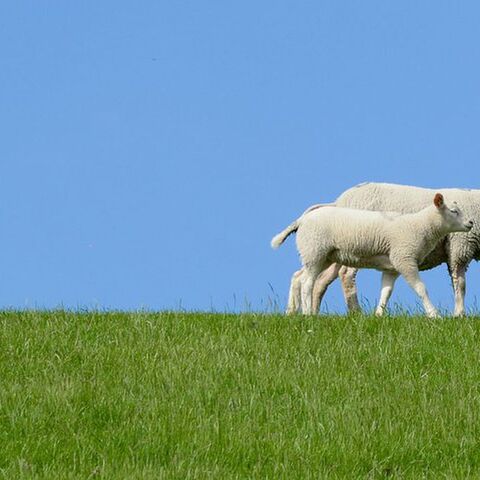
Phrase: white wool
(366, 239)
(457, 249)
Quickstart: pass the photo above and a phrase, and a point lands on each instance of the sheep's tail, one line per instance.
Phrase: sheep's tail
(278, 239)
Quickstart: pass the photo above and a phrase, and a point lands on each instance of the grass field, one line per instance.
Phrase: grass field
(213, 396)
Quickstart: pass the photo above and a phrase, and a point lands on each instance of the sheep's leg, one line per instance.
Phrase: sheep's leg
(412, 277)
(349, 286)
(457, 274)
(309, 275)
(294, 295)
(388, 281)
(323, 281)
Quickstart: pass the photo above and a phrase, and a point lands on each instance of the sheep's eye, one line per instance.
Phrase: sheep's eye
(454, 211)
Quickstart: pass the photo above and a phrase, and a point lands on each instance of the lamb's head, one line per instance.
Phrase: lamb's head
(452, 217)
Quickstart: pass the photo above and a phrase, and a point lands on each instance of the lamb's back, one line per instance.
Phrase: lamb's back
(361, 231)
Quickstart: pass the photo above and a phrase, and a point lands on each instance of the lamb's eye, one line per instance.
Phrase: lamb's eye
(455, 212)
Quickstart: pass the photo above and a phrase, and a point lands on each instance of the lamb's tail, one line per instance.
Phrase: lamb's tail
(277, 240)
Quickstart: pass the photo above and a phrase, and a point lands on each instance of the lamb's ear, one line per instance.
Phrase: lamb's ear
(438, 200)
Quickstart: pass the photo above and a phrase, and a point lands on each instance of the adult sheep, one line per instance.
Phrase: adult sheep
(457, 250)
(394, 244)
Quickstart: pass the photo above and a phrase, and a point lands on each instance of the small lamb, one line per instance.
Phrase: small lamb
(393, 244)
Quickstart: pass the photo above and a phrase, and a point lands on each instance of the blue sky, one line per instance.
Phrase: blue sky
(150, 150)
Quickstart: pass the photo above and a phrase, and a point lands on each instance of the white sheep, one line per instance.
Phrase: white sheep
(457, 250)
(394, 244)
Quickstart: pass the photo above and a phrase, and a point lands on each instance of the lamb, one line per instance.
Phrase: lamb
(457, 250)
(393, 244)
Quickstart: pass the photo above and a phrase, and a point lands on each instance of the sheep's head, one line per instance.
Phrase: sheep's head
(452, 216)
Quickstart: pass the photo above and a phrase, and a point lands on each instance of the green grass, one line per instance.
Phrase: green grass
(212, 396)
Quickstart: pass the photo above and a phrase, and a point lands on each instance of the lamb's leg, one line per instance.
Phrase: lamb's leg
(412, 277)
(388, 281)
(457, 274)
(294, 295)
(309, 275)
(323, 281)
(347, 276)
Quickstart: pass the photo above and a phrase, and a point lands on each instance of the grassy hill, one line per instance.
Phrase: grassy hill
(174, 395)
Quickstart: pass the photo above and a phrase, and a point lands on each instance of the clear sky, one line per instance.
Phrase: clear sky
(150, 150)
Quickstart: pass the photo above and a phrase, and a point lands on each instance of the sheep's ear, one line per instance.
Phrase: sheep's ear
(438, 200)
